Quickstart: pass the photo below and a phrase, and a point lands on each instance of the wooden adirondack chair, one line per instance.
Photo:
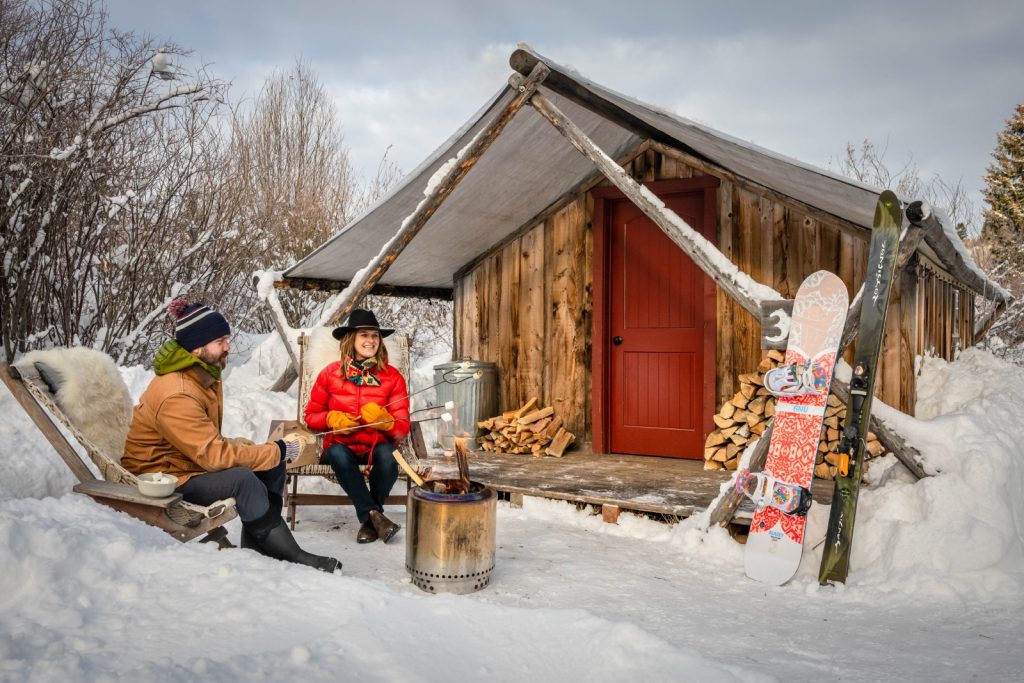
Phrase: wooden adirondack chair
(35, 388)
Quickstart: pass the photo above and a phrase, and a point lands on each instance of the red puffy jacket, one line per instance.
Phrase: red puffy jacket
(333, 392)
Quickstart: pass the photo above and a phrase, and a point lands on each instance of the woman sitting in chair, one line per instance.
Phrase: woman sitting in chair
(363, 402)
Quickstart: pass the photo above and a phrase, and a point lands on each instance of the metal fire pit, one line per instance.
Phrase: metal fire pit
(449, 540)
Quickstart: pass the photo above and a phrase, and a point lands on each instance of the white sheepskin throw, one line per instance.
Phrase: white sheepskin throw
(89, 389)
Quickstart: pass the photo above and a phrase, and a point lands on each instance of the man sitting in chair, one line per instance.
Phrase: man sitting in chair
(362, 400)
(176, 426)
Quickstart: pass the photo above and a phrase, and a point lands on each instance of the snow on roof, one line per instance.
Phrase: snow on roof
(530, 166)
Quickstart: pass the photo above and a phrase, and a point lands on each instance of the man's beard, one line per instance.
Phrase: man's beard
(220, 361)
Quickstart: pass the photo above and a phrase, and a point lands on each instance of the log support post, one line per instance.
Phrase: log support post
(610, 513)
(280, 325)
(470, 155)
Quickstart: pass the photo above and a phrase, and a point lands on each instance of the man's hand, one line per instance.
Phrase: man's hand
(371, 413)
(293, 444)
(338, 419)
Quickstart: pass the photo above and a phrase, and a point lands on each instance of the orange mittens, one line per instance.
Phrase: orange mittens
(371, 412)
(337, 419)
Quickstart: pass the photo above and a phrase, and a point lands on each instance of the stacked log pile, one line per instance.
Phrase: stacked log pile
(528, 429)
(743, 419)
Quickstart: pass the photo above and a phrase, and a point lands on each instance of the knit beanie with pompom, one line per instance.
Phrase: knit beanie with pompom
(196, 325)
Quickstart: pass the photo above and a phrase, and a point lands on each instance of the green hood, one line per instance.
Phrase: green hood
(172, 357)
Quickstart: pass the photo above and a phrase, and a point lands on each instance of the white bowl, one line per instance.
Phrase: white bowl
(157, 484)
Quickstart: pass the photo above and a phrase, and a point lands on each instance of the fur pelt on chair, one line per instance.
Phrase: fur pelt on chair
(88, 388)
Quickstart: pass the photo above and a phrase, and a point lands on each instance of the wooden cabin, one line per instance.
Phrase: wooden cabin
(585, 302)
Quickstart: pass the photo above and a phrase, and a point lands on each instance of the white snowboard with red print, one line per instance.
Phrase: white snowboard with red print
(775, 542)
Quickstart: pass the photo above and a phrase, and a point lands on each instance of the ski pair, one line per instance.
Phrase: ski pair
(835, 559)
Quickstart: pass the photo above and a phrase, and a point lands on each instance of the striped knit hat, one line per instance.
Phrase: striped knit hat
(197, 325)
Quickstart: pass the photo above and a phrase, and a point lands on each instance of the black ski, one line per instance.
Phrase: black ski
(835, 561)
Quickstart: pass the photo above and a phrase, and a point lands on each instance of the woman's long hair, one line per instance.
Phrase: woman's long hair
(347, 347)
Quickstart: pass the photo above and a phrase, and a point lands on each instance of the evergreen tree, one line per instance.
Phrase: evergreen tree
(1004, 191)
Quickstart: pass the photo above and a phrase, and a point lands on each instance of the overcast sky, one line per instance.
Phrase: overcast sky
(931, 82)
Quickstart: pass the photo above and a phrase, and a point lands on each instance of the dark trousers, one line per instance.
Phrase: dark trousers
(383, 475)
(251, 490)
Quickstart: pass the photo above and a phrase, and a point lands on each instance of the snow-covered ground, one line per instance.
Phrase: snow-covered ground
(935, 593)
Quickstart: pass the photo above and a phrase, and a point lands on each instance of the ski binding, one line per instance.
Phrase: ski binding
(797, 380)
(766, 491)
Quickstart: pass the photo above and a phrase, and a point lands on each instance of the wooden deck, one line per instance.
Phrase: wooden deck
(668, 486)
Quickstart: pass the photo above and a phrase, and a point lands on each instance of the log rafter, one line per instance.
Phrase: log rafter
(368, 277)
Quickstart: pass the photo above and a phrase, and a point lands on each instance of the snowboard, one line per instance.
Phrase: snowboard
(775, 541)
(835, 560)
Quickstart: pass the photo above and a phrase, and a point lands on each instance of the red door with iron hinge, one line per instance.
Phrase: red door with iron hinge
(659, 354)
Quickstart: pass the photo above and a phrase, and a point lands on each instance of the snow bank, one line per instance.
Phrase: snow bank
(956, 535)
(90, 594)
(958, 532)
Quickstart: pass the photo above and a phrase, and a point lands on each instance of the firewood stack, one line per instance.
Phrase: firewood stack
(743, 418)
(528, 429)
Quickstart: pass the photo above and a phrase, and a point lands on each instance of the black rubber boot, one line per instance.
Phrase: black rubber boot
(276, 501)
(275, 540)
(248, 541)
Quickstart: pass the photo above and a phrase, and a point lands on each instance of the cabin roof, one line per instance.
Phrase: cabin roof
(530, 166)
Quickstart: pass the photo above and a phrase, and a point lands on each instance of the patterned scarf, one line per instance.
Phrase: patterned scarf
(360, 372)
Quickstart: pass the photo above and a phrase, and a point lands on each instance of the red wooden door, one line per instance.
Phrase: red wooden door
(656, 334)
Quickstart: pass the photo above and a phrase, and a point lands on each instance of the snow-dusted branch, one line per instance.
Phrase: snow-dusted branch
(163, 102)
(265, 290)
(127, 340)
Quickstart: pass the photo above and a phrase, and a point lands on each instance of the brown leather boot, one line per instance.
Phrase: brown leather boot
(386, 529)
(367, 533)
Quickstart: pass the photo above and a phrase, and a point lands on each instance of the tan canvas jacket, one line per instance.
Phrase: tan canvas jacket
(176, 429)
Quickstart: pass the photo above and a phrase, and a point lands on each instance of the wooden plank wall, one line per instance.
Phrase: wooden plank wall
(944, 312)
(528, 305)
(778, 244)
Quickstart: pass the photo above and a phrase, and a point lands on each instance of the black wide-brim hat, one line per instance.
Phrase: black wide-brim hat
(360, 319)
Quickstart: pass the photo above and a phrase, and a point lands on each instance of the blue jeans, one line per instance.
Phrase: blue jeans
(383, 475)
(251, 490)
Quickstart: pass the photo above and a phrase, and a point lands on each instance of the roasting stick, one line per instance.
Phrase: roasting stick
(448, 405)
(444, 380)
(443, 416)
